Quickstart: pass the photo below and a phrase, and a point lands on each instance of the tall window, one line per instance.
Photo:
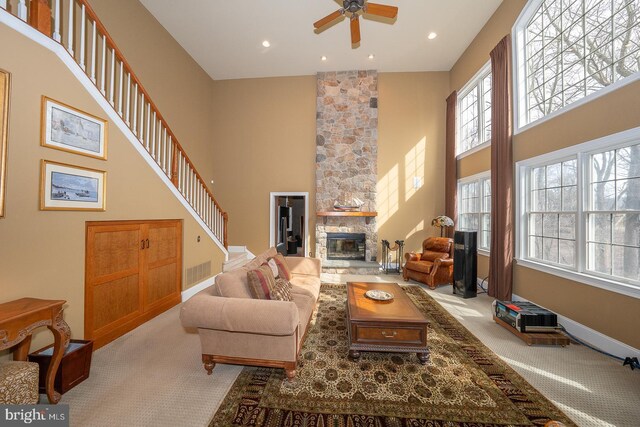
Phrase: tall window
(569, 49)
(474, 106)
(581, 211)
(474, 207)
(552, 214)
(613, 216)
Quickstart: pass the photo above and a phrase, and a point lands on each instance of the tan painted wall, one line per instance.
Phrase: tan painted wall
(176, 83)
(477, 54)
(265, 132)
(607, 312)
(265, 141)
(411, 143)
(42, 252)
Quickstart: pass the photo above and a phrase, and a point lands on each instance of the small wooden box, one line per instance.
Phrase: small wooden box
(74, 366)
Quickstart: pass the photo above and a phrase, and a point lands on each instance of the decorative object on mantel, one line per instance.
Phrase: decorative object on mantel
(348, 203)
(366, 215)
(386, 263)
(442, 222)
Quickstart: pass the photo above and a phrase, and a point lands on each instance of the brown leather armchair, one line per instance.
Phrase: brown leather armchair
(434, 266)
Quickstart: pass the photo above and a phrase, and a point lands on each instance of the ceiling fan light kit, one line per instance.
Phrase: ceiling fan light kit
(355, 8)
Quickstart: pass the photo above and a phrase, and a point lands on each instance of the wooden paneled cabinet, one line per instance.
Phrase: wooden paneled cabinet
(132, 274)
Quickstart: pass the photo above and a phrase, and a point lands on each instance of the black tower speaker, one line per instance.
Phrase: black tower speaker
(465, 263)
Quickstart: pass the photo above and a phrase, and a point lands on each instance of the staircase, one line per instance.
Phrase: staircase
(85, 46)
(238, 256)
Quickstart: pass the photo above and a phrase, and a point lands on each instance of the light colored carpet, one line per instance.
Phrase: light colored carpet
(153, 375)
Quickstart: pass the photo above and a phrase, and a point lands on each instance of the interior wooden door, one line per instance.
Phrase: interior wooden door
(113, 270)
(132, 274)
(163, 255)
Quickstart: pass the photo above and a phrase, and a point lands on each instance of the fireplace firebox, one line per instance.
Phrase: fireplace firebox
(346, 246)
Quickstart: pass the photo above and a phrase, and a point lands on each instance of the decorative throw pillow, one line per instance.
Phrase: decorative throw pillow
(261, 282)
(282, 290)
(283, 268)
(273, 266)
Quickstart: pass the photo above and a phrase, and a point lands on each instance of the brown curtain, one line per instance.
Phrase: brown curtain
(451, 173)
(501, 260)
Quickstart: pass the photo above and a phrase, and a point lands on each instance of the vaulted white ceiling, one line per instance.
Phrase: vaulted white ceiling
(225, 36)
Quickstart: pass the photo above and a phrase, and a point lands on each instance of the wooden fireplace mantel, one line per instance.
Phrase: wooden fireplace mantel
(366, 215)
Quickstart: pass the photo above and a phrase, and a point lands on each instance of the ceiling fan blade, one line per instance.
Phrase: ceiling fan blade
(327, 19)
(382, 10)
(355, 29)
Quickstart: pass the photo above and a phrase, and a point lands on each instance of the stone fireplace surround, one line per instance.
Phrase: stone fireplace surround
(346, 160)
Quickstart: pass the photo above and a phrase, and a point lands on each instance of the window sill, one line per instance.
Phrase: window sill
(484, 252)
(474, 150)
(608, 285)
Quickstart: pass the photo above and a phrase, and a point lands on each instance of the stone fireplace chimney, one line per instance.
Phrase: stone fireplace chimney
(346, 154)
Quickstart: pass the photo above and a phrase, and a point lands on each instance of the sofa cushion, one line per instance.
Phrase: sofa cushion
(420, 266)
(305, 305)
(233, 284)
(432, 256)
(283, 268)
(261, 282)
(282, 290)
(306, 285)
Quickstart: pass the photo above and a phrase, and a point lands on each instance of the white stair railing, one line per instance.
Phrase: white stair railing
(101, 60)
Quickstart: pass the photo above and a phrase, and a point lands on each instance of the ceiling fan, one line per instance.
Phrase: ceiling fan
(353, 9)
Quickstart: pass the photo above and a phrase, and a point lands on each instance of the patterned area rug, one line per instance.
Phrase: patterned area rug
(463, 384)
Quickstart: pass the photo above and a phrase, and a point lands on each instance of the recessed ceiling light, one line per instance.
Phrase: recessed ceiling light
(371, 56)
(266, 43)
(324, 58)
(432, 36)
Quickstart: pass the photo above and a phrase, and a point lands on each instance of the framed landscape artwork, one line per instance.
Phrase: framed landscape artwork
(71, 188)
(69, 129)
(4, 125)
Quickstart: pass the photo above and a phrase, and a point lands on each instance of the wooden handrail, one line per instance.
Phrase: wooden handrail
(178, 168)
(92, 14)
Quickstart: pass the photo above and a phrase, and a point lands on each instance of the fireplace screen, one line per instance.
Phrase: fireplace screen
(347, 246)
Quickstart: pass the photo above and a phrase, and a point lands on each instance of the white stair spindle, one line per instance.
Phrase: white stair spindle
(103, 68)
(141, 130)
(156, 151)
(83, 36)
(113, 76)
(120, 86)
(128, 115)
(165, 163)
(3, 4)
(56, 21)
(70, 28)
(93, 53)
(134, 128)
(22, 10)
(148, 110)
(170, 166)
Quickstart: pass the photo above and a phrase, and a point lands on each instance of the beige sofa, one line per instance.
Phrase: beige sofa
(237, 329)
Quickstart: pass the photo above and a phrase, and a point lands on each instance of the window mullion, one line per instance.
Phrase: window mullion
(581, 217)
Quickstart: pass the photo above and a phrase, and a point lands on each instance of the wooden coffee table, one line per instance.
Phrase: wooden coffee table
(395, 326)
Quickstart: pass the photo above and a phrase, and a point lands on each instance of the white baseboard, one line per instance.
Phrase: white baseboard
(593, 337)
(237, 248)
(188, 293)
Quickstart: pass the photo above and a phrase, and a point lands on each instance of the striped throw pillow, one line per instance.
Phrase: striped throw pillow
(283, 268)
(261, 282)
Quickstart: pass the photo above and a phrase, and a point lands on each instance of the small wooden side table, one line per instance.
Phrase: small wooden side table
(18, 320)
